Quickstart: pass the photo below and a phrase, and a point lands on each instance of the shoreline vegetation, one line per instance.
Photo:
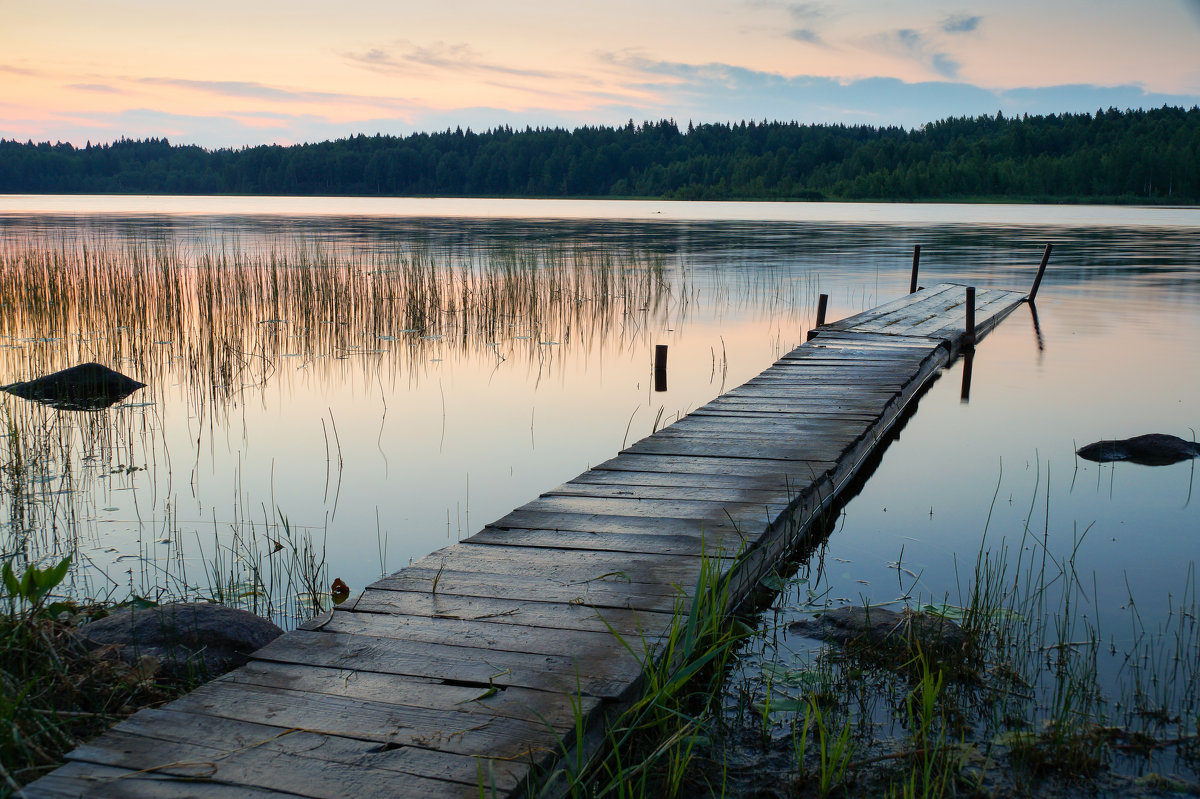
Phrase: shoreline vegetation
(1110, 157)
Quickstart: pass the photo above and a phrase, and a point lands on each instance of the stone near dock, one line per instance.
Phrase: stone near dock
(189, 639)
(1152, 449)
(883, 629)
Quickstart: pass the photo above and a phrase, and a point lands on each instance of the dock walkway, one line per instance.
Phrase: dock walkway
(467, 668)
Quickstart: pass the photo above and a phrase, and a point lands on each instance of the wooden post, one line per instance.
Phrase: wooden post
(912, 283)
(1037, 281)
(822, 305)
(660, 367)
(969, 338)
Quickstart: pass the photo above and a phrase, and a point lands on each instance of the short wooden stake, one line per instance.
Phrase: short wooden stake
(912, 283)
(969, 338)
(1037, 281)
(660, 367)
(822, 305)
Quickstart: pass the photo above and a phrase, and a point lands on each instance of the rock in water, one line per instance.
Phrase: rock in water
(1152, 449)
(189, 639)
(882, 629)
(87, 387)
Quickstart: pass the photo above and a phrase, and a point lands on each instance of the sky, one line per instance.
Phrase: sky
(234, 73)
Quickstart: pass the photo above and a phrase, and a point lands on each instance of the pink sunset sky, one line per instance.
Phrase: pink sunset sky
(229, 74)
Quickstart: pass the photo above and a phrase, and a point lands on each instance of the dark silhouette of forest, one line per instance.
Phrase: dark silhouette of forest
(1110, 156)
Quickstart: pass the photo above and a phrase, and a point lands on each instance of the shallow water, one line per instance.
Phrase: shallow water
(391, 442)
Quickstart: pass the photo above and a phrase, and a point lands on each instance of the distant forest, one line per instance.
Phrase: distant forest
(1110, 156)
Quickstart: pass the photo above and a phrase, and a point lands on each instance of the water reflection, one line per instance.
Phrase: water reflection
(392, 383)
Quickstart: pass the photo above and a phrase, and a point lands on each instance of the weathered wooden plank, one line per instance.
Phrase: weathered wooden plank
(230, 735)
(813, 450)
(836, 335)
(394, 725)
(612, 590)
(900, 304)
(747, 494)
(718, 530)
(258, 767)
(813, 391)
(443, 661)
(728, 466)
(908, 321)
(592, 540)
(834, 433)
(557, 615)
(512, 638)
(548, 565)
(726, 418)
(751, 404)
(709, 541)
(657, 509)
(398, 689)
(761, 482)
(106, 782)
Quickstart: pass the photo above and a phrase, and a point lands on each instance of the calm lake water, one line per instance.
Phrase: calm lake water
(387, 438)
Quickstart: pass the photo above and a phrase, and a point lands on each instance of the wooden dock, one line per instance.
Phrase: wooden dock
(469, 667)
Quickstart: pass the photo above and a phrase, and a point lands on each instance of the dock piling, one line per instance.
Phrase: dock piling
(822, 306)
(912, 283)
(969, 338)
(1037, 281)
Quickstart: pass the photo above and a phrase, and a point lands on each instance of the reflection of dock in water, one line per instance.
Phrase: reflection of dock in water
(463, 672)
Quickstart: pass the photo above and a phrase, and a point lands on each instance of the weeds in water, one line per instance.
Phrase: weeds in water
(1018, 704)
(651, 746)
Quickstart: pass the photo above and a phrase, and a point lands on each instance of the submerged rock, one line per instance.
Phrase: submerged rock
(881, 628)
(188, 639)
(87, 387)
(1152, 449)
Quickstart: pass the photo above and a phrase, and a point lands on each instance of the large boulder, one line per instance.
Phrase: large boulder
(188, 639)
(87, 387)
(1152, 449)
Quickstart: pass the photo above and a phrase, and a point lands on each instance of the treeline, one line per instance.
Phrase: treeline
(1109, 156)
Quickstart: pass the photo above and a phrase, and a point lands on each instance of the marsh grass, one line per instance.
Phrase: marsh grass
(226, 317)
(1020, 706)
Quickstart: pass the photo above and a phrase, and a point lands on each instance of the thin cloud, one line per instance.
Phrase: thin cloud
(101, 88)
(260, 91)
(960, 23)
(807, 11)
(944, 65)
(806, 35)
(913, 44)
(440, 56)
(11, 70)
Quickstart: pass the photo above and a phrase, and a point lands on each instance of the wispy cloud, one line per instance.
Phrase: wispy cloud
(806, 35)
(960, 23)
(260, 91)
(11, 70)
(913, 44)
(408, 58)
(100, 88)
(944, 65)
(807, 11)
